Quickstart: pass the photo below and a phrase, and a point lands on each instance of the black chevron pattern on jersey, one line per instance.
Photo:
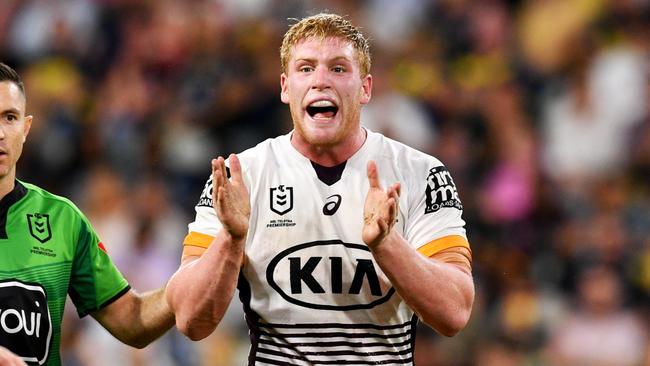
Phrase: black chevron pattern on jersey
(334, 344)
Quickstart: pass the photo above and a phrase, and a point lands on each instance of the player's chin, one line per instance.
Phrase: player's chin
(323, 135)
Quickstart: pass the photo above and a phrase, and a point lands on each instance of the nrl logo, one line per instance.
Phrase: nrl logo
(281, 199)
(39, 226)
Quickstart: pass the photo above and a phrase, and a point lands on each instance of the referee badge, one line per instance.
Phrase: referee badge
(39, 226)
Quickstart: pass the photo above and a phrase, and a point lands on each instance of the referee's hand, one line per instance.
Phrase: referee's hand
(8, 358)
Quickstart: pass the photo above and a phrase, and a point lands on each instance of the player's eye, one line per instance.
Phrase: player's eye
(338, 69)
(306, 69)
(11, 117)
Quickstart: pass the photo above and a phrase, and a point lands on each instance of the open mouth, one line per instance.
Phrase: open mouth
(322, 109)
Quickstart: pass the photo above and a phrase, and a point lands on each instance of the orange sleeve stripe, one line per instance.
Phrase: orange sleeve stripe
(443, 243)
(198, 240)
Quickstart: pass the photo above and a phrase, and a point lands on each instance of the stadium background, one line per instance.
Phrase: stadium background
(539, 108)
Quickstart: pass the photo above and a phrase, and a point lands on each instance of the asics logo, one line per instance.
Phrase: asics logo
(332, 204)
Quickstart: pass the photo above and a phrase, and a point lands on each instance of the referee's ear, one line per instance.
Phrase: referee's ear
(27, 125)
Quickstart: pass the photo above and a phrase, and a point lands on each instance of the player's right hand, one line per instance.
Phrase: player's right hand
(8, 358)
(230, 197)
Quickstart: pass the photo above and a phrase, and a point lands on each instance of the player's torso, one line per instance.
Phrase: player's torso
(34, 277)
(305, 246)
(309, 278)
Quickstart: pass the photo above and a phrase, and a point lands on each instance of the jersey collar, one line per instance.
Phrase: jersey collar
(6, 202)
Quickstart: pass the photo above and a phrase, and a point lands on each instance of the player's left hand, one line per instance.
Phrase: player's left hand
(380, 210)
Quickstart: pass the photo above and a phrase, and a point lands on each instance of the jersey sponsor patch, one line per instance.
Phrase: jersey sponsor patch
(25, 323)
(441, 191)
(39, 226)
(206, 196)
(332, 204)
(328, 275)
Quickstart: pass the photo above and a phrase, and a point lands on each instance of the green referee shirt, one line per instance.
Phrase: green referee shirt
(48, 250)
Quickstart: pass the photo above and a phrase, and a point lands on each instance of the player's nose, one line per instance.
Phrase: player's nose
(321, 78)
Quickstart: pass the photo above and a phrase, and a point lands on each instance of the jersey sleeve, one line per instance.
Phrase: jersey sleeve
(435, 211)
(95, 281)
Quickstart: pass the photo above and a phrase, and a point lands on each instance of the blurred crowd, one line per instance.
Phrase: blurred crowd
(540, 109)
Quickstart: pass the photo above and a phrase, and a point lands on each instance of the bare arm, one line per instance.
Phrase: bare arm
(439, 289)
(8, 358)
(202, 288)
(200, 291)
(137, 319)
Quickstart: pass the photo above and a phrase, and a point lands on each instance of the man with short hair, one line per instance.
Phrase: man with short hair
(334, 261)
(49, 250)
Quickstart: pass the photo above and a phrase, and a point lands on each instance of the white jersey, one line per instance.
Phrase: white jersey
(310, 287)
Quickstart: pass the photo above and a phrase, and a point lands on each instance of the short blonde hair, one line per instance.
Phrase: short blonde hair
(324, 26)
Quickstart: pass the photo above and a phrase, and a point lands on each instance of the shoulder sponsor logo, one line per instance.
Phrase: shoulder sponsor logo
(328, 275)
(25, 323)
(281, 199)
(206, 195)
(39, 226)
(441, 191)
(332, 204)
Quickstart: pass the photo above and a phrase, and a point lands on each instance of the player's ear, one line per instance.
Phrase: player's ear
(27, 126)
(366, 87)
(284, 89)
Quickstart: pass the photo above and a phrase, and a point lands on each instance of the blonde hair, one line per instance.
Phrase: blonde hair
(324, 26)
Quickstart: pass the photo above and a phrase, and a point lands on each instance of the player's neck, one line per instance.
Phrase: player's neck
(330, 155)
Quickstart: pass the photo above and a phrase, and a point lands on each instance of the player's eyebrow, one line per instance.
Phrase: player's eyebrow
(313, 60)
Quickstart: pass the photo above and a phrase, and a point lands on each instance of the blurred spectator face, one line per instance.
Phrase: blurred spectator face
(324, 89)
(14, 127)
(600, 290)
(495, 354)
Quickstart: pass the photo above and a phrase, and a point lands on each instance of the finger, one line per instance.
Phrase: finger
(383, 226)
(222, 170)
(215, 165)
(373, 176)
(220, 198)
(398, 188)
(215, 179)
(392, 191)
(392, 208)
(235, 168)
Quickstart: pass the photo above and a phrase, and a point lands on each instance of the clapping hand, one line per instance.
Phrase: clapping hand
(380, 210)
(230, 197)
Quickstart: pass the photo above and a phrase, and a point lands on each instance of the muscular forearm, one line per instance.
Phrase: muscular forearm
(201, 290)
(440, 293)
(156, 317)
(137, 319)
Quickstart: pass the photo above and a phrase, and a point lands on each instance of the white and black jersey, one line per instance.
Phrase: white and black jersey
(312, 293)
